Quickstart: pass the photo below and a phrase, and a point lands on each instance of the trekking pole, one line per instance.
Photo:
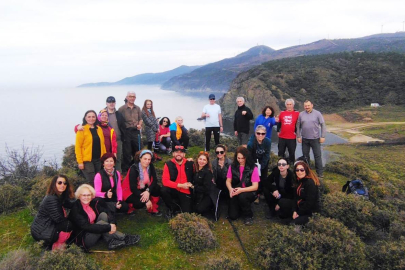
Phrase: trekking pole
(235, 230)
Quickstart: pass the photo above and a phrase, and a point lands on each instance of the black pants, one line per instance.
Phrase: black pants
(271, 201)
(130, 146)
(286, 211)
(263, 179)
(184, 139)
(291, 145)
(203, 205)
(112, 206)
(135, 197)
(174, 199)
(208, 130)
(241, 203)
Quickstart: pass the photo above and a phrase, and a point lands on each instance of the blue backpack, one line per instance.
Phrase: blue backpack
(356, 187)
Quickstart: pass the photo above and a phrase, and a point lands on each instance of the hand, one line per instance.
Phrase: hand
(295, 215)
(221, 129)
(115, 155)
(109, 194)
(190, 159)
(80, 127)
(276, 194)
(145, 196)
(244, 112)
(321, 140)
(299, 140)
(231, 194)
(236, 191)
(207, 115)
(236, 133)
(138, 127)
(81, 166)
(160, 137)
(118, 205)
(113, 228)
(149, 205)
(277, 207)
(277, 118)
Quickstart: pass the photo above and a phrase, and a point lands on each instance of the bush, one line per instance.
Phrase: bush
(18, 259)
(192, 232)
(353, 211)
(323, 244)
(10, 197)
(38, 192)
(69, 159)
(387, 255)
(223, 263)
(70, 259)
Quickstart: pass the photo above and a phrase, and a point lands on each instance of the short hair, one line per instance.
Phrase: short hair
(241, 98)
(178, 118)
(307, 100)
(131, 92)
(261, 127)
(52, 190)
(289, 100)
(163, 118)
(81, 188)
(107, 156)
(265, 109)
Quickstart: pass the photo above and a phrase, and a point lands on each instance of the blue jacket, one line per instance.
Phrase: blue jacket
(268, 123)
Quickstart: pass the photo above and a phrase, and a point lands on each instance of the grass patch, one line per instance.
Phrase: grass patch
(387, 132)
(380, 114)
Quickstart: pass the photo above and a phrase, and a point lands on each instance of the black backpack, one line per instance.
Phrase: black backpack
(356, 187)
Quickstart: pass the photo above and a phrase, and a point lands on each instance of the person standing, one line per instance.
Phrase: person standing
(267, 120)
(286, 131)
(308, 124)
(133, 122)
(151, 123)
(213, 121)
(117, 122)
(241, 123)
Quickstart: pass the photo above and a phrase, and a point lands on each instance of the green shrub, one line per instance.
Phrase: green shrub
(223, 263)
(387, 255)
(70, 259)
(353, 211)
(20, 259)
(192, 232)
(323, 244)
(38, 192)
(69, 158)
(10, 197)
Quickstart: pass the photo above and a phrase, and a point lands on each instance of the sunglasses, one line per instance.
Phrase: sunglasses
(300, 170)
(282, 164)
(164, 121)
(212, 98)
(259, 133)
(61, 182)
(219, 152)
(204, 153)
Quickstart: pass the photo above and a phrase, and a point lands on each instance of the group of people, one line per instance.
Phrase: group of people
(121, 177)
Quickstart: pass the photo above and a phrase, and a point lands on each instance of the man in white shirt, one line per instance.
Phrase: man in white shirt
(213, 121)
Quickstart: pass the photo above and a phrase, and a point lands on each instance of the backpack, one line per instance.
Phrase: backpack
(355, 187)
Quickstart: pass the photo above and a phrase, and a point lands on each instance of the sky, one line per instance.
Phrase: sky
(67, 43)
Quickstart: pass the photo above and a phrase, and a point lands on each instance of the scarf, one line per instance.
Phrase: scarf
(105, 123)
(141, 178)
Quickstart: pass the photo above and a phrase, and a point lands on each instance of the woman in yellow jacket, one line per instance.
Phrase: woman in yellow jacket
(90, 146)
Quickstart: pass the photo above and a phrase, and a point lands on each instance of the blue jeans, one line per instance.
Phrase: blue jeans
(316, 149)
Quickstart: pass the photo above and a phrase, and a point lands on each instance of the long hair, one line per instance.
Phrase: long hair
(268, 107)
(84, 118)
(207, 156)
(245, 153)
(145, 110)
(52, 190)
(308, 172)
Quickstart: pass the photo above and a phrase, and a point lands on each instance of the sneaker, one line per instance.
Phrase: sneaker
(115, 243)
(248, 221)
(169, 215)
(156, 214)
(131, 240)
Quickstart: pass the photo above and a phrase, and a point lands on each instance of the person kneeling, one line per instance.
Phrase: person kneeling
(94, 220)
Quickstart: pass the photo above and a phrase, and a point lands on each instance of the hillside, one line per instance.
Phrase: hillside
(146, 78)
(332, 82)
(219, 75)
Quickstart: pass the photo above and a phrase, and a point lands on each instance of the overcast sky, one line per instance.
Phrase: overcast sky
(67, 43)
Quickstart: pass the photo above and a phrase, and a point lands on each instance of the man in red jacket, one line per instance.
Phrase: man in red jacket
(286, 131)
(177, 180)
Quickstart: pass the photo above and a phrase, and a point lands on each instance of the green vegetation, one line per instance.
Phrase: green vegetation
(387, 113)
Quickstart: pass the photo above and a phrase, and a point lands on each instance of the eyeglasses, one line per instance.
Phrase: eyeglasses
(260, 134)
(300, 170)
(203, 152)
(61, 182)
(282, 164)
(85, 195)
(212, 98)
(219, 152)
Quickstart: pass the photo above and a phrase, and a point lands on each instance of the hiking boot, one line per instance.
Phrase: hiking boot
(248, 221)
(131, 240)
(115, 243)
(157, 158)
(156, 214)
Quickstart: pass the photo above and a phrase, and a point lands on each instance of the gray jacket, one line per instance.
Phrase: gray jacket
(151, 126)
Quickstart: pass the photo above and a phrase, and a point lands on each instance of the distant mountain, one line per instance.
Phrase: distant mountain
(219, 75)
(333, 82)
(146, 78)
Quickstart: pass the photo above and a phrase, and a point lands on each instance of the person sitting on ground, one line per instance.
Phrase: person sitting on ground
(163, 136)
(51, 224)
(178, 133)
(150, 121)
(279, 184)
(177, 179)
(140, 187)
(306, 196)
(94, 220)
(89, 147)
(242, 182)
(220, 167)
(259, 148)
(205, 193)
(107, 184)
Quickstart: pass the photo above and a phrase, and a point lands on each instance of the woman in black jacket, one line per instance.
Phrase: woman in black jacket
(220, 167)
(94, 220)
(306, 195)
(205, 193)
(51, 224)
(279, 184)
